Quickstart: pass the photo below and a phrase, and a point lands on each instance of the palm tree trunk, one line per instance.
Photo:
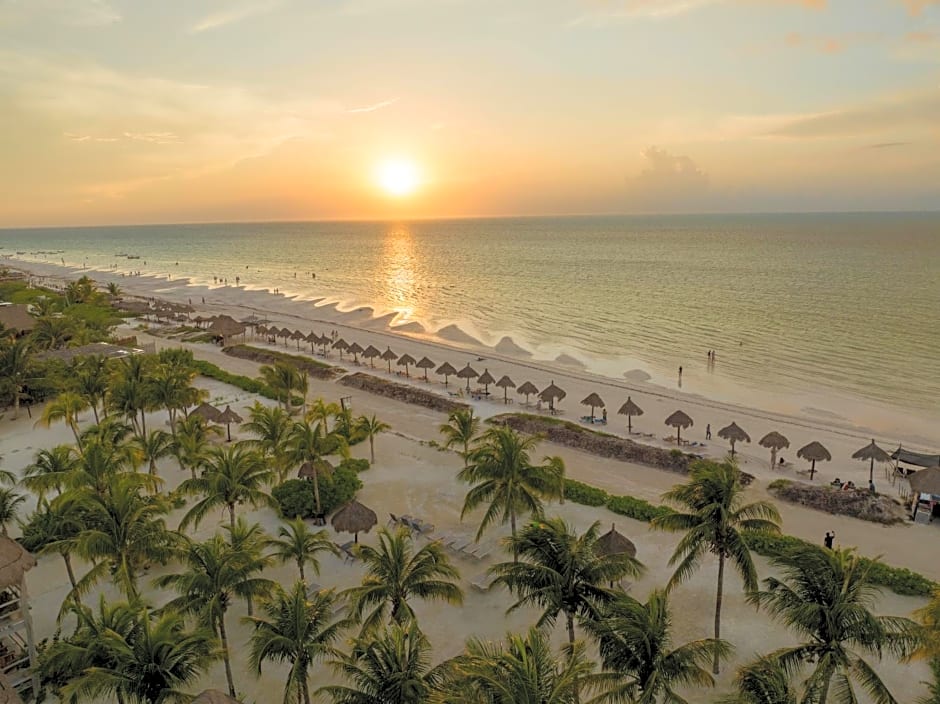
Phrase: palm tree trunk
(94, 410)
(825, 690)
(16, 401)
(316, 488)
(300, 565)
(570, 628)
(721, 580)
(225, 656)
(68, 568)
(231, 518)
(512, 527)
(372, 448)
(153, 467)
(78, 438)
(143, 422)
(305, 688)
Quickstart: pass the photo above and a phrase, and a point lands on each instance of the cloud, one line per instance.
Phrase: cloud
(887, 145)
(668, 182)
(233, 14)
(606, 11)
(78, 13)
(374, 107)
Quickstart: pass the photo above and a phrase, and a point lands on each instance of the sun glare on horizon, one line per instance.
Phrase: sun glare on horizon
(397, 177)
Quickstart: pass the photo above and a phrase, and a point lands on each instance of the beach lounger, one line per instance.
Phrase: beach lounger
(392, 518)
(348, 550)
(481, 582)
(461, 543)
(480, 551)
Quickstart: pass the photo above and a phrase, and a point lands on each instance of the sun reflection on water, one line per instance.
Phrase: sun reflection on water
(399, 263)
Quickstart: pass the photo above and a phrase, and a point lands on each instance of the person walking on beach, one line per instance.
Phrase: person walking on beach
(708, 431)
(827, 541)
(680, 372)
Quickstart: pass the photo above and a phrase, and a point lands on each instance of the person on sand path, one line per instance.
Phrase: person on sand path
(827, 541)
(708, 431)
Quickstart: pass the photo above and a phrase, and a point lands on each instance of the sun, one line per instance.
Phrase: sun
(397, 177)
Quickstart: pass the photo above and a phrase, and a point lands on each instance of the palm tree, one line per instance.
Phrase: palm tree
(826, 596)
(635, 641)
(233, 475)
(309, 443)
(100, 462)
(66, 406)
(149, 664)
(50, 470)
(250, 541)
(562, 572)
(130, 390)
(215, 573)
(191, 441)
(9, 504)
(283, 379)
(298, 630)
(505, 478)
(52, 529)
(763, 681)
(297, 543)
(89, 379)
(393, 667)
(370, 427)
(113, 290)
(271, 427)
(171, 388)
(52, 332)
(461, 430)
(395, 573)
(124, 532)
(929, 618)
(154, 446)
(321, 411)
(16, 369)
(716, 521)
(524, 669)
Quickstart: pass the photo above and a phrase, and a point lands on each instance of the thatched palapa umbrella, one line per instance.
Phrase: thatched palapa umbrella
(527, 389)
(733, 433)
(286, 334)
(214, 696)
(814, 452)
(324, 342)
(446, 369)
(228, 416)
(505, 383)
(468, 373)
(208, 413)
(614, 543)
(388, 356)
(425, 364)
(313, 339)
(355, 349)
(550, 394)
(371, 353)
(679, 420)
(776, 442)
(873, 453)
(299, 336)
(926, 481)
(594, 401)
(353, 518)
(630, 409)
(15, 561)
(486, 379)
(405, 361)
(341, 345)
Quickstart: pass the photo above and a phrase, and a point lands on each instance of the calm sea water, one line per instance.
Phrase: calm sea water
(795, 305)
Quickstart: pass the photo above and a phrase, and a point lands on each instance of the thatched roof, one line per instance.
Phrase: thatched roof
(354, 348)
(527, 389)
(614, 543)
(551, 392)
(814, 452)
(341, 344)
(926, 481)
(214, 696)
(446, 369)
(14, 562)
(226, 327)
(228, 416)
(284, 332)
(312, 337)
(16, 317)
(206, 412)
(370, 352)
(506, 383)
(630, 408)
(467, 372)
(388, 355)
(679, 420)
(424, 363)
(593, 400)
(871, 452)
(486, 378)
(774, 440)
(354, 518)
(297, 335)
(734, 432)
(318, 467)
(405, 360)
(324, 340)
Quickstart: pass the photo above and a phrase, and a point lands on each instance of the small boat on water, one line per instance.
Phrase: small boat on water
(133, 256)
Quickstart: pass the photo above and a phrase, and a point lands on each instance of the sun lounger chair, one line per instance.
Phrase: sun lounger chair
(481, 582)
(422, 526)
(392, 518)
(348, 550)
(461, 543)
(480, 551)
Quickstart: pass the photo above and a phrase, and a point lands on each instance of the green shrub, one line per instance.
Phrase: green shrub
(778, 484)
(637, 509)
(585, 494)
(295, 497)
(338, 489)
(356, 465)
(245, 383)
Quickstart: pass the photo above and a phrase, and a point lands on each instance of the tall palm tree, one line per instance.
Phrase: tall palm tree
(370, 427)
(763, 681)
(461, 430)
(929, 618)
(52, 332)
(130, 390)
(715, 521)
(393, 667)
(523, 669)
(562, 572)
(148, 665)
(89, 379)
(66, 407)
(233, 475)
(50, 470)
(191, 441)
(124, 532)
(826, 597)
(297, 543)
(636, 641)
(395, 573)
(16, 369)
(298, 630)
(171, 388)
(310, 442)
(100, 462)
(154, 446)
(52, 529)
(321, 411)
(9, 506)
(271, 427)
(215, 573)
(250, 540)
(504, 478)
(283, 378)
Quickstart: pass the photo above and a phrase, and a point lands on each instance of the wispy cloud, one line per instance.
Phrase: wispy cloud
(88, 138)
(374, 106)
(235, 13)
(78, 13)
(605, 11)
(887, 145)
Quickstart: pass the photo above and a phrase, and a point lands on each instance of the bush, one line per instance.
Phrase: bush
(295, 497)
(637, 509)
(585, 494)
(778, 484)
(245, 383)
(354, 465)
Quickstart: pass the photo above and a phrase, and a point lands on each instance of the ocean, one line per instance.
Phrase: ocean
(825, 314)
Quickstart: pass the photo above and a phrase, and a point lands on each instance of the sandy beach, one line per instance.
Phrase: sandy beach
(412, 478)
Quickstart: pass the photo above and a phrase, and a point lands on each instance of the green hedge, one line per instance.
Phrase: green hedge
(295, 497)
(900, 580)
(245, 383)
(355, 465)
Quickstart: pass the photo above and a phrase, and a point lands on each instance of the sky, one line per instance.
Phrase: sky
(132, 111)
